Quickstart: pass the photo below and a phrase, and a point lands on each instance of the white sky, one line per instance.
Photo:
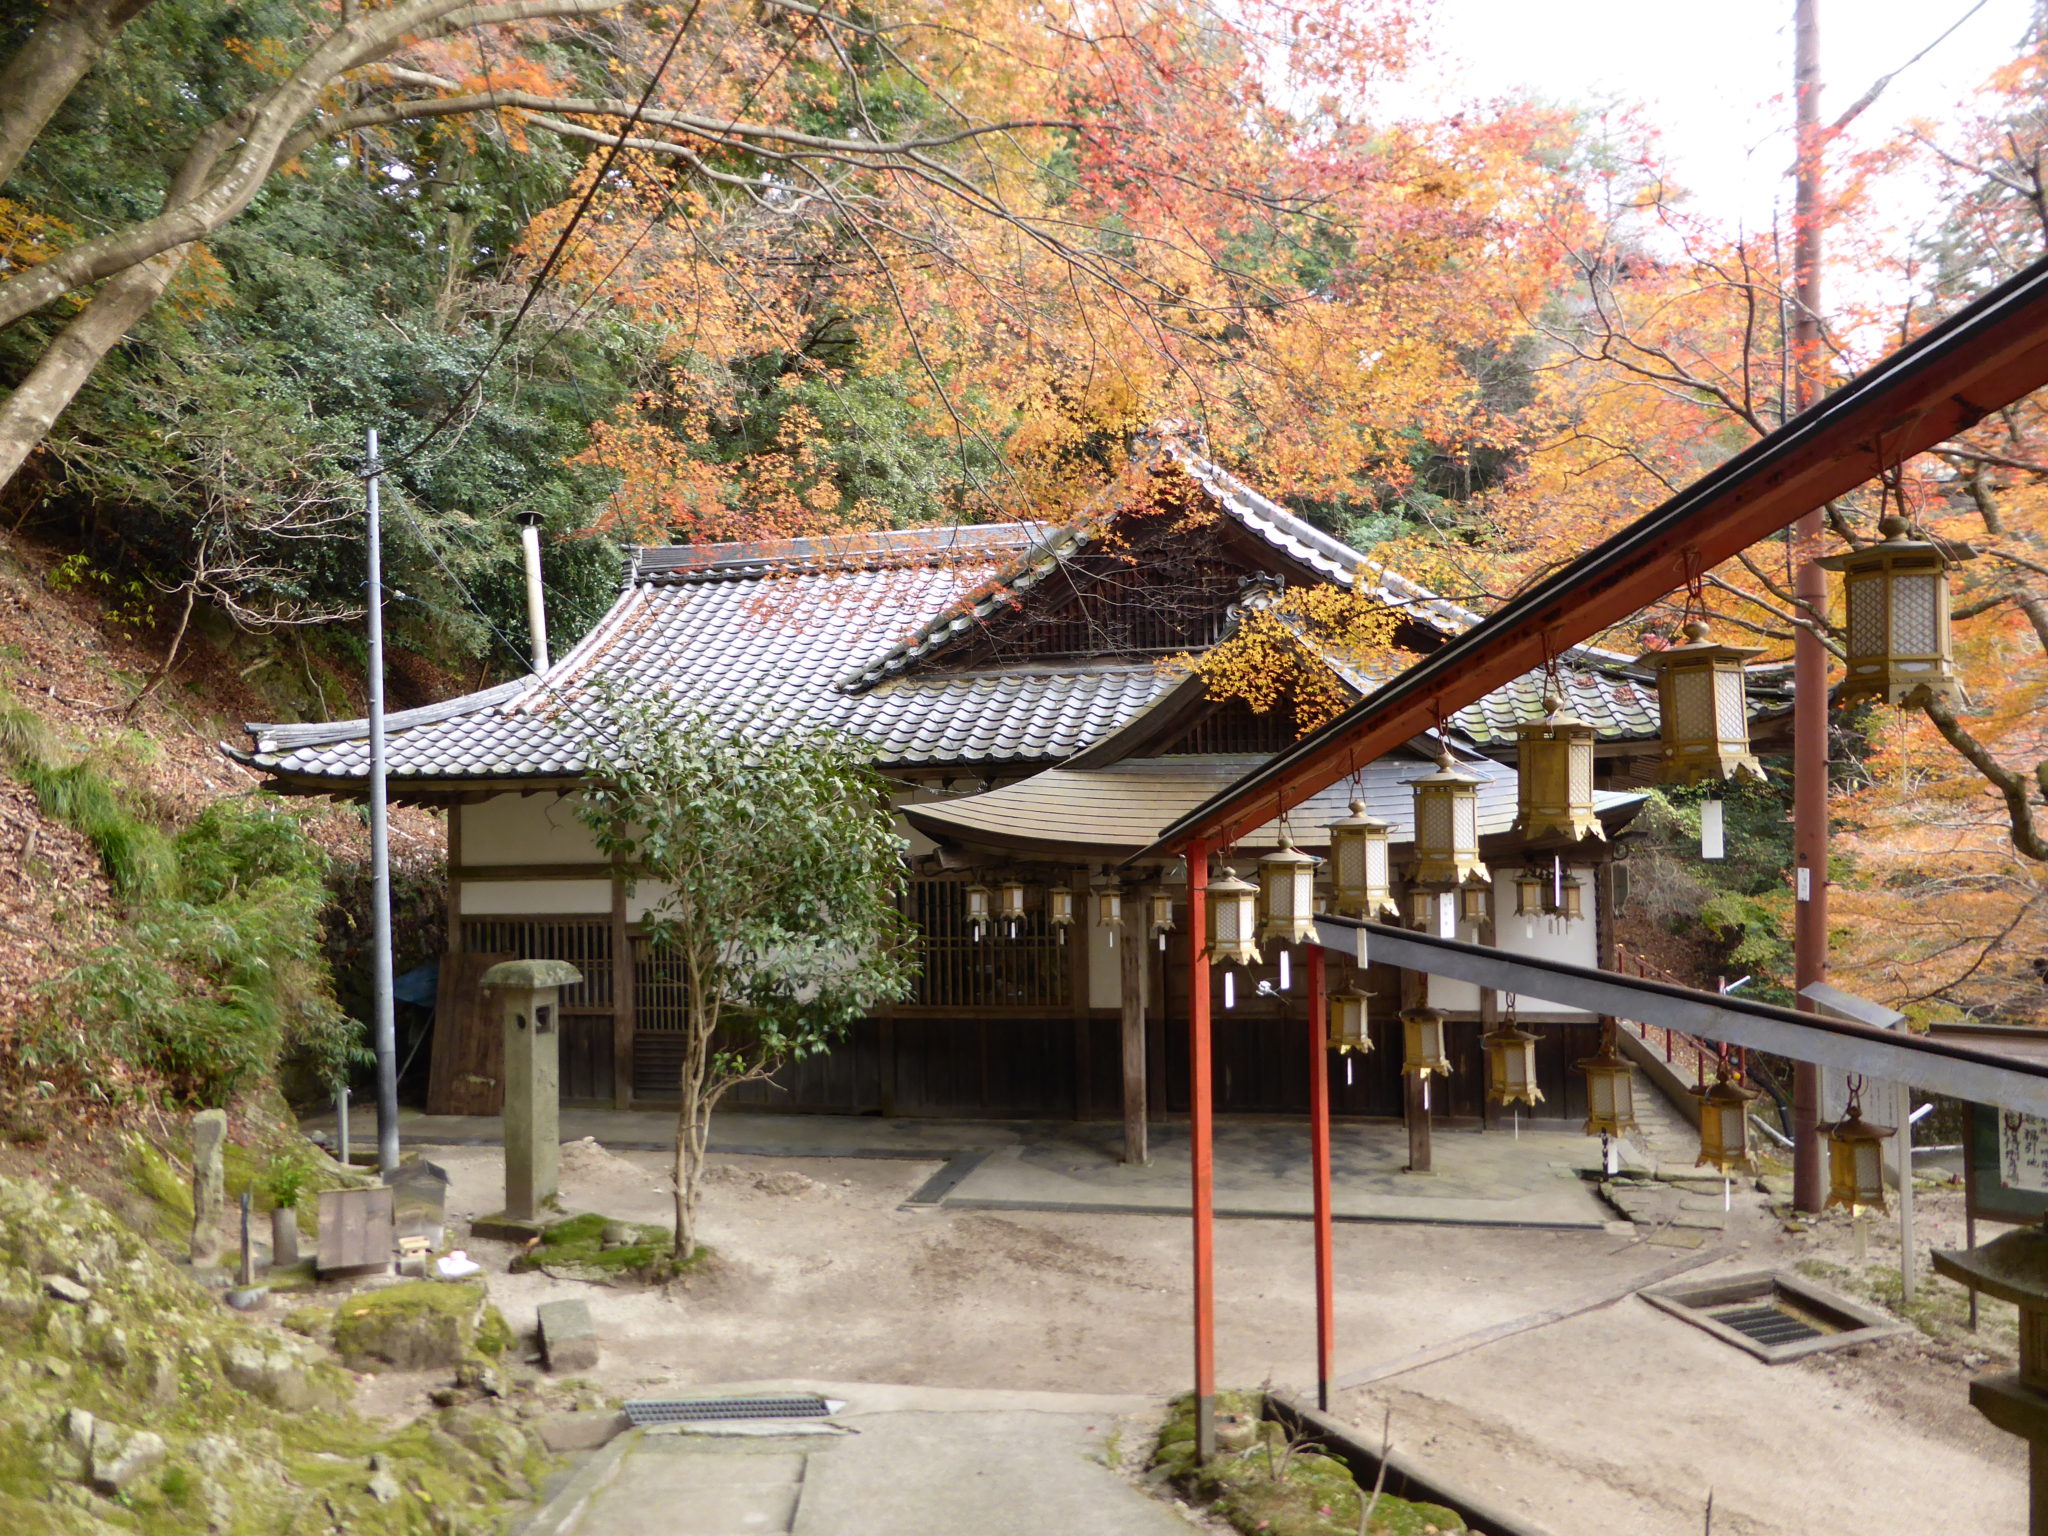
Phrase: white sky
(1716, 78)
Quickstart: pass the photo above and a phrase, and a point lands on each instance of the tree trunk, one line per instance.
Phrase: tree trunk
(46, 68)
(37, 402)
(693, 1120)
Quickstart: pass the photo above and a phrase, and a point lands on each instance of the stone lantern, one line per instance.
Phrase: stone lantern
(1896, 596)
(1724, 1124)
(1511, 1065)
(530, 992)
(1447, 827)
(1554, 776)
(2014, 1268)
(1422, 1040)
(1703, 709)
(1360, 874)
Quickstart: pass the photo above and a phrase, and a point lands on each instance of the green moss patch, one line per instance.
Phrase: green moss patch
(1262, 1483)
(575, 1250)
(418, 1325)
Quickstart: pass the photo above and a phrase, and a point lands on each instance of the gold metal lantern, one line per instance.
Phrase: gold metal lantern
(1287, 896)
(1511, 1065)
(1350, 1022)
(1162, 915)
(1013, 893)
(1423, 910)
(1610, 1090)
(1856, 1157)
(1422, 1041)
(979, 902)
(1530, 888)
(1447, 827)
(1109, 905)
(1554, 776)
(1474, 904)
(1059, 908)
(1703, 710)
(1233, 919)
(1361, 876)
(1896, 596)
(1724, 1124)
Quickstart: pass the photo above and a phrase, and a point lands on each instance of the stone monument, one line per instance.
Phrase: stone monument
(531, 992)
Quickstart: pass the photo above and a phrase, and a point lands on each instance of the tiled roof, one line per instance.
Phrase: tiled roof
(760, 650)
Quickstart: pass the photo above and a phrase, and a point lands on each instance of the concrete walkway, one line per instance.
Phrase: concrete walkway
(1481, 1178)
(903, 1460)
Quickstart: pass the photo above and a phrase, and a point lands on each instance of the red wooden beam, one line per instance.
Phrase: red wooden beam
(1980, 360)
(1201, 1114)
(1319, 1166)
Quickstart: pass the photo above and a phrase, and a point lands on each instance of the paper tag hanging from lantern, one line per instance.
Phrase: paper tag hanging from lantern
(1713, 830)
(1702, 709)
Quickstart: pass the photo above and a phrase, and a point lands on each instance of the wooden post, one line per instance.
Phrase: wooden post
(1415, 993)
(1200, 1128)
(1131, 980)
(1319, 1161)
(622, 998)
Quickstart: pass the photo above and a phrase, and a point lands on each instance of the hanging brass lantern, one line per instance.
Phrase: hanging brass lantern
(1233, 919)
(1610, 1091)
(1287, 896)
(1896, 596)
(1474, 903)
(1554, 776)
(1572, 905)
(1702, 709)
(1422, 1040)
(1109, 905)
(1162, 915)
(1360, 872)
(1530, 887)
(1013, 893)
(978, 904)
(1856, 1157)
(1724, 1124)
(1059, 908)
(1447, 827)
(1349, 1021)
(1511, 1065)
(1423, 909)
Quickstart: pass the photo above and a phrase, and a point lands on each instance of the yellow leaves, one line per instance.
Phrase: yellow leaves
(1282, 654)
(28, 237)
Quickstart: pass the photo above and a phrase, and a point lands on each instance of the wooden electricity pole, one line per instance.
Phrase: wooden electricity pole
(1809, 657)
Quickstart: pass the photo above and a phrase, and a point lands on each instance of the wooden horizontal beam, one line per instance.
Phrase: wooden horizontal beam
(1938, 1065)
(1981, 359)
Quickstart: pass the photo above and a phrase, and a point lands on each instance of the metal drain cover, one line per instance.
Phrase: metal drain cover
(699, 1410)
(1767, 1325)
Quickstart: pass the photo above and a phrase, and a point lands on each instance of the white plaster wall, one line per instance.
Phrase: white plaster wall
(499, 898)
(1547, 938)
(526, 829)
(1105, 960)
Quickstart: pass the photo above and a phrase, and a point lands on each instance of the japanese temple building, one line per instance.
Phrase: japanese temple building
(1019, 688)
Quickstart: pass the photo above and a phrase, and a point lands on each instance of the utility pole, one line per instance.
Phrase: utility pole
(1809, 657)
(384, 1033)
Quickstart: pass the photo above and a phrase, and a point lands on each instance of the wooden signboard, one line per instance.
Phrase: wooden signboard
(2005, 1165)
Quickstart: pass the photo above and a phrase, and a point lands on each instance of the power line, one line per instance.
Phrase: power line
(554, 256)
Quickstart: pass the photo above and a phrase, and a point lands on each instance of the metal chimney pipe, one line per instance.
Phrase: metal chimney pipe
(536, 604)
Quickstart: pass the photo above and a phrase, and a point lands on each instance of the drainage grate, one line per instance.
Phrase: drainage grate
(696, 1410)
(1767, 1325)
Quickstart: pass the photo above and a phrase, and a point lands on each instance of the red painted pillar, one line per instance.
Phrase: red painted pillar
(1319, 1160)
(1200, 1129)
